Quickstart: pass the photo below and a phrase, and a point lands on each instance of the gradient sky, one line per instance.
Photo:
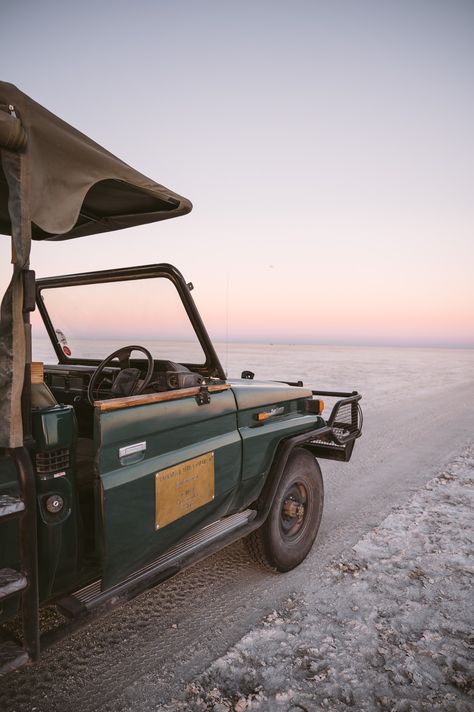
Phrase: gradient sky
(328, 148)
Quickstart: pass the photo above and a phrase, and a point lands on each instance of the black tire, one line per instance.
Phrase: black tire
(285, 538)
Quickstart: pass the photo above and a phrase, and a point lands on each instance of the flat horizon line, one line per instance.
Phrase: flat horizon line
(277, 342)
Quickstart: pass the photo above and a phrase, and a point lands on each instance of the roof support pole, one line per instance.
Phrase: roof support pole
(15, 369)
(15, 340)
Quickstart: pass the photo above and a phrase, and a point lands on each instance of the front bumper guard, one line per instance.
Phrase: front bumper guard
(344, 426)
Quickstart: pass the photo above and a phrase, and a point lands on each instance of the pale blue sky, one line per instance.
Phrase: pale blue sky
(327, 147)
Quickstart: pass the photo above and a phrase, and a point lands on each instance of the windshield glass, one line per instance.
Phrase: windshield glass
(93, 320)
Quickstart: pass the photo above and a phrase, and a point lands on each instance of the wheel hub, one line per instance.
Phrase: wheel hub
(293, 510)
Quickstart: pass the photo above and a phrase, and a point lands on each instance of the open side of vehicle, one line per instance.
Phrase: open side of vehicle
(121, 463)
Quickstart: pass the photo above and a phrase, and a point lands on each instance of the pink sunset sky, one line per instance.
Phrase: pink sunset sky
(327, 148)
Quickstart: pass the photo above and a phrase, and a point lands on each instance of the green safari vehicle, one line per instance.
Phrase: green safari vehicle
(123, 462)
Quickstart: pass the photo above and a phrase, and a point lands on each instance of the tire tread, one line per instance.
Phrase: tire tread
(260, 544)
(256, 549)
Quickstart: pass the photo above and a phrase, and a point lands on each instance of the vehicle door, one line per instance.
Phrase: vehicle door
(166, 469)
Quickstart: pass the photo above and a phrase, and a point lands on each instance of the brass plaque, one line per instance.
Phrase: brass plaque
(183, 488)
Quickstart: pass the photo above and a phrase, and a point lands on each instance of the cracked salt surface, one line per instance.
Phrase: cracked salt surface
(390, 627)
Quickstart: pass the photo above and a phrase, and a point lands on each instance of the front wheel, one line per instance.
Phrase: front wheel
(286, 537)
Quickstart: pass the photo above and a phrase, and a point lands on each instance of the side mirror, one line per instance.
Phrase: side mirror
(247, 374)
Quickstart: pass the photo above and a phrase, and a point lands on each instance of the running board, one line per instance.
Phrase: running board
(12, 657)
(196, 547)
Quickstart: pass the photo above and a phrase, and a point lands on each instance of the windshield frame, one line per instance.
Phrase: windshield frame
(211, 368)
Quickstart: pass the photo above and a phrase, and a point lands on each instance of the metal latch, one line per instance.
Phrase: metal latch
(132, 449)
(203, 397)
(130, 454)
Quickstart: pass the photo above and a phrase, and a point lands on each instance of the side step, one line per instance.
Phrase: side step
(12, 657)
(10, 506)
(174, 560)
(11, 582)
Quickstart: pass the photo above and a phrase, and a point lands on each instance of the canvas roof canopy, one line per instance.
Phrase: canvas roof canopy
(76, 187)
(55, 184)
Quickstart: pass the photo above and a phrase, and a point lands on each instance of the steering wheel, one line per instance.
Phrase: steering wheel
(128, 381)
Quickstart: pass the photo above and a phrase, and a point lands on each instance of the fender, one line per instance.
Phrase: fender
(272, 482)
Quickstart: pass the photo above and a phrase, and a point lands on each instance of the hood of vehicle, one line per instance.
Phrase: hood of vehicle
(255, 394)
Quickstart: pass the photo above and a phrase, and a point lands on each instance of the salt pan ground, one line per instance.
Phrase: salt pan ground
(389, 629)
